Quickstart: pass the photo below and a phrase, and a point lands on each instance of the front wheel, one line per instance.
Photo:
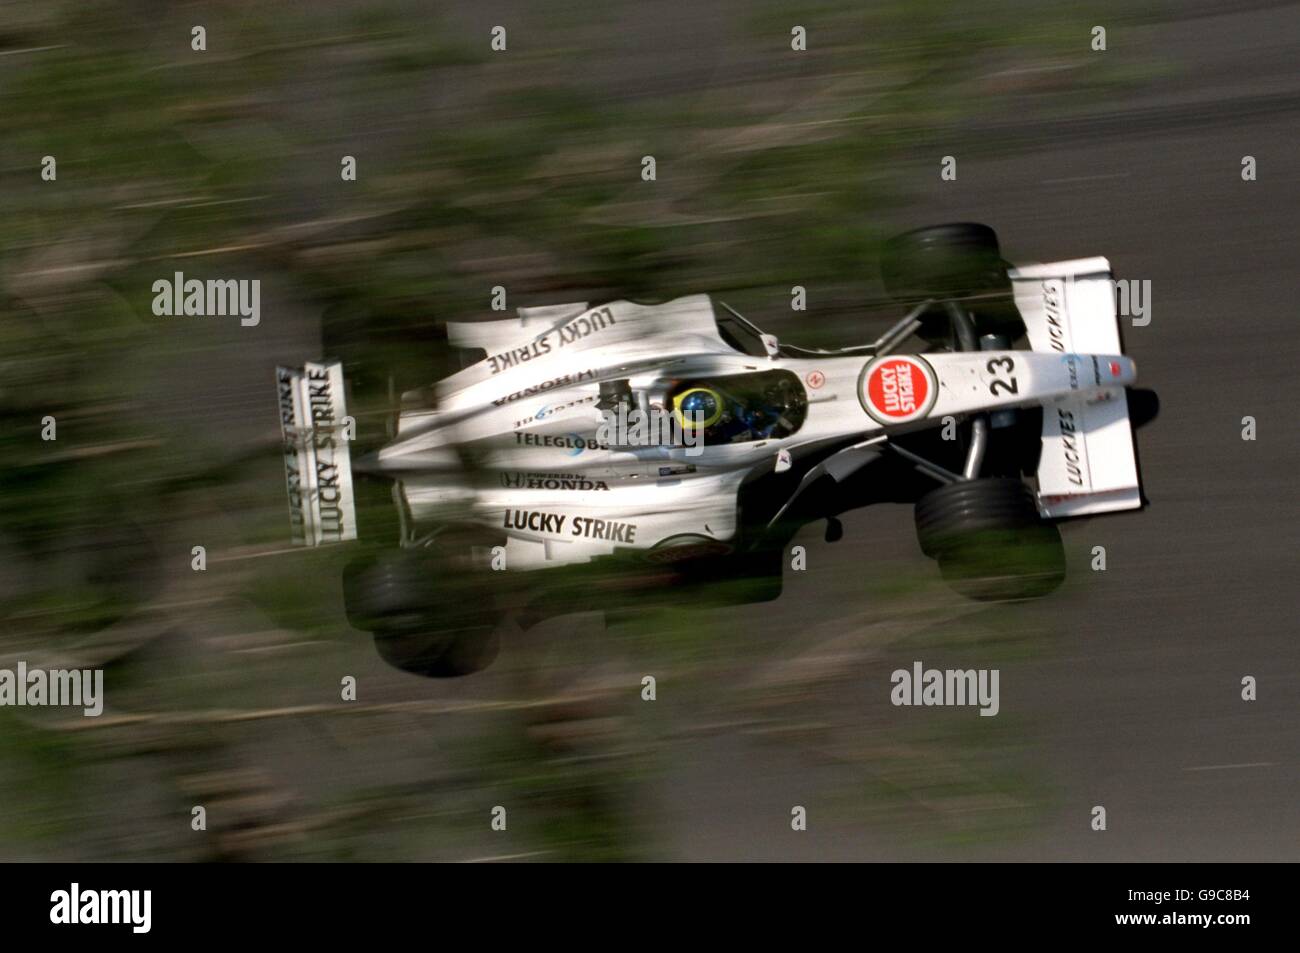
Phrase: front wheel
(960, 260)
(943, 261)
(989, 540)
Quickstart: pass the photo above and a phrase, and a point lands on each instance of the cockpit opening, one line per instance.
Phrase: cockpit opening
(737, 408)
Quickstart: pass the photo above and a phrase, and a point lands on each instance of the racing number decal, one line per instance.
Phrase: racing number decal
(1000, 384)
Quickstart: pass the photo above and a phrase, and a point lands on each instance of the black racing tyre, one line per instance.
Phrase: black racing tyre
(1012, 565)
(989, 540)
(943, 261)
(430, 616)
(407, 589)
(391, 590)
(959, 510)
(438, 654)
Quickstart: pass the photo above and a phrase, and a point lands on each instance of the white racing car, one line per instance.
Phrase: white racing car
(514, 492)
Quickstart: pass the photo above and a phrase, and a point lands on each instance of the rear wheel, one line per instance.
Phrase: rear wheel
(989, 540)
(391, 590)
(428, 617)
(438, 654)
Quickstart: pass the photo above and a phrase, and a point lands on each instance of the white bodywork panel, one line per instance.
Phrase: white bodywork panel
(1088, 464)
(498, 335)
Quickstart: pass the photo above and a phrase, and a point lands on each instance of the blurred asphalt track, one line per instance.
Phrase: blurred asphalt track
(1137, 708)
(1131, 698)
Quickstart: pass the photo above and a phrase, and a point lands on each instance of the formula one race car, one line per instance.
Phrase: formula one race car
(618, 454)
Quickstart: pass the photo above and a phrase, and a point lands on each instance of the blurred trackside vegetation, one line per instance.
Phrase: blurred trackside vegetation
(522, 169)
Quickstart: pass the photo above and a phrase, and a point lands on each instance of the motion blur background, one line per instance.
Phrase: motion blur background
(774, 168)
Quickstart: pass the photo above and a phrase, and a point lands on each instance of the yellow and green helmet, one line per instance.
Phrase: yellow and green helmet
(698, 407)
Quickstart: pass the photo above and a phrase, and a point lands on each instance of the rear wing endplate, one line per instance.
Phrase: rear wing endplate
(317, 461)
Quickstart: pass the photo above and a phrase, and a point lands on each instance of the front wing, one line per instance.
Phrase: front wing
(1088, 463)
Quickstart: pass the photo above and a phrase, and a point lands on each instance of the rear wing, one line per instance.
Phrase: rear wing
(317, 460)
(1088, 464)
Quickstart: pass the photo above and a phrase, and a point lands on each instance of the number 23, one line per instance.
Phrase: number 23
(998, 385)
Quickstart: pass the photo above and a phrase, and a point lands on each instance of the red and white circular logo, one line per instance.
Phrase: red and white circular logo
(897, 389)
(815, 379)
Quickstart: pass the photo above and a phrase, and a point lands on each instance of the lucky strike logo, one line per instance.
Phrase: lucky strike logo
(895, 390)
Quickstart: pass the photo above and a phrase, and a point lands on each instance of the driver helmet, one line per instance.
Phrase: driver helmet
(698, 407)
